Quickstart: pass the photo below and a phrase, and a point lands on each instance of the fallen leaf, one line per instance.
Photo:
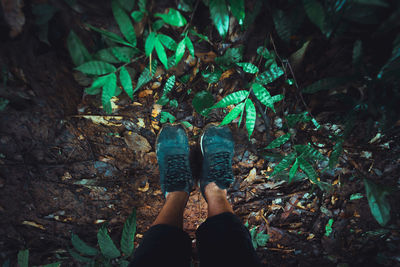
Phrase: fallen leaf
(99, 221)
(105, 120)
(227, 74)
(206, 57)
(141, 123)
(145, 93)
(252, 176)
(155, 116)
(136, 142)
(310, 236)
(145, 188)
(33, 224)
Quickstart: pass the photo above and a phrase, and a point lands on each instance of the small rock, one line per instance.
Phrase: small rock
(136, 142)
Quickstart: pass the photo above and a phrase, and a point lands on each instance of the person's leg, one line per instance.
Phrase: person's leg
(165, 243)
(222, 240)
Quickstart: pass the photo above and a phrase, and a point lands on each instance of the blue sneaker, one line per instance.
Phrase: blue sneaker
(217, 147)
(172, 148)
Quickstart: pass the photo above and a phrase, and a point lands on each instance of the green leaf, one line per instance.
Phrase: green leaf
(54, 264)
(212, 77)
(127, 4)
(336, 152)
(248, 67)
(3, 103)
(328, 227)
(231, 56)
(379, 206)
(98, 82)
(77, 50)
(166, 116)
(250, 116)
(107, 246)
(124, 22)
(137, 15)
(112, 36)
(233, 114)
(96, 68)
(237, 9)
(189, 45)
(126, 82)
(308, 169)
(263, 51)
(279, 141)
(327, 84)
(150, 43)
(142, 5)
(145, 76)
(162, 55)
(82, 247)
(23, 258)
(253, 235)
(169, 85)
(186, 124)
(273, 73)
(285, 163)
(167, 41)
(158, 24)
(308, 152)
(292, 119)
(262, 239)
(173, 17)
(263, 95)
(282, 24)
(356, 196)
(123, 263)
(202, 101)
(108, 92)
(357, 53)
(233, 98)
(79, 257)
(107, 56)
(315, 12)
(180, 51)
(128, 235)
(123, 54)
(293, 170)
(220, 16)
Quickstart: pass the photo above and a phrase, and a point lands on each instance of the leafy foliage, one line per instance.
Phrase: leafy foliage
(202, 101)
(220, 16)
(128, 235)
(380, 207)
(23, 260)
(279, 141)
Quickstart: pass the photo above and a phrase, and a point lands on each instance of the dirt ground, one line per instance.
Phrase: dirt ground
(62, 170)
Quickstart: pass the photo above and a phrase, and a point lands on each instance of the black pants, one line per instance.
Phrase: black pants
(222, 240)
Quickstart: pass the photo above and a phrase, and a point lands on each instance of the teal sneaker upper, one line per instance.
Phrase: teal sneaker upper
(218, 147)
(172, 148)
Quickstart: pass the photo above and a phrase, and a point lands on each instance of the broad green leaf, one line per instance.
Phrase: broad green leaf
(146, 76)
(279, 141)
(282, 24)
(107, 246)
(98, 82)
(77, 50)
(173, 17)
(150, 43)
(336, 152)
(123, 263)
(169, 85)
(127, 4)
(231, 56)
(128, 235)
(251, 115)
(82, 247)
(189, 45)
(356, 196)
(327, 84)
(96, 68)
(308, 169)
(180, 51)
(166, 116)
(137, 15)
(201, 36)
(220, 16)
(167, 41)
(263, 51)
(253, 234)
(212, 77)
(380, 207)
(126, 82)
(237, 9)
(23, 258)
(124, 22)
(106, 55)
(123, 54)
(248, 67)
(263, 95)
(262, 239)
(233, 114)
(357, 53)
(293, 170)
(233, 98)
(186, 124)
(108, 92)
(277, 98)
(163, 100)
(79, 257)
(142, 5)
(292, 119)
(315, 12)
(391, 68)
(158, 24)
(285, 163)
(308, 152)
(273, 73)
(202, 101)
(162, 55)
(112, 36)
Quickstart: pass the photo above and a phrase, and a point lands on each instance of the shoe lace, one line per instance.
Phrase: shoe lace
(177, 171)
(221, 168)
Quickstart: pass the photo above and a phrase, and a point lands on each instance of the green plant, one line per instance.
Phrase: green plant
(258, 238)
(23, 260)
(109, 252)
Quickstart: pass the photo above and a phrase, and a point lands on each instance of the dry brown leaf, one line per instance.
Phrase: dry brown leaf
(155, 116)
(105, 120)
(252, 176)
(33, 224)
(136, 142)
(145, 188)
(227, 74)
(145, 93)
(206, 57)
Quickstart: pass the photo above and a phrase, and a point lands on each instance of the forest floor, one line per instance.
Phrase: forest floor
(66, 167)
